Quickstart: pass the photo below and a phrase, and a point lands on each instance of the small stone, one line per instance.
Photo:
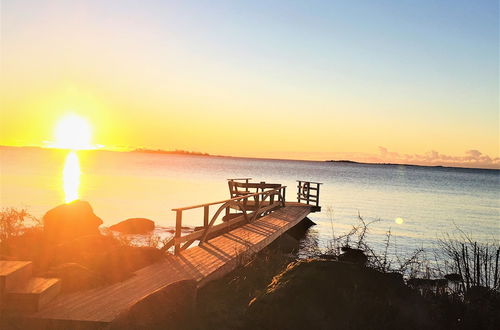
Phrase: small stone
(134, 226)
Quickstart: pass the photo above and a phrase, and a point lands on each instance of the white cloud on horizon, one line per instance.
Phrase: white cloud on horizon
(472, 158)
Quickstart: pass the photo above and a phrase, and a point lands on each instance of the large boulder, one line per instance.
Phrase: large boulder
(69, 221)
(324, 294)
(134, 226)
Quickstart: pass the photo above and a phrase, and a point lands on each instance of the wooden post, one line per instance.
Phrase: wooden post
(284, 196)
(178, 229)
(317, 194)
(205, 216)
(308, 191)
(299, 188)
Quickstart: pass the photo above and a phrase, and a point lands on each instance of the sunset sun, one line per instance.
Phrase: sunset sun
(73, 132)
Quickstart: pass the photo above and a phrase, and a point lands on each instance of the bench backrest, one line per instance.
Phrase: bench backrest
(237, 189)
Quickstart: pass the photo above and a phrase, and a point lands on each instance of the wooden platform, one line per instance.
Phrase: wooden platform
(215, 258)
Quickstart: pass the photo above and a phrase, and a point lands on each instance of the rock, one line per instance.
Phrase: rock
(300, 230)
(134, 226)
(68, 221)
(355, 256)
(171, 307)
(75, 277)
(323, 294)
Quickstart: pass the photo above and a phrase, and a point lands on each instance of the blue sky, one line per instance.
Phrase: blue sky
(412, 76)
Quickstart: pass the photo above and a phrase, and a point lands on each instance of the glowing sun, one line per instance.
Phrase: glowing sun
(73, 132)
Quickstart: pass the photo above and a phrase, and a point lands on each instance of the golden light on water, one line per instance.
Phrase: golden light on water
(72, 132)
(71, 177)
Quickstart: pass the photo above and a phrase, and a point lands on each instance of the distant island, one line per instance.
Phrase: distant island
(170, 152)
(413, 165)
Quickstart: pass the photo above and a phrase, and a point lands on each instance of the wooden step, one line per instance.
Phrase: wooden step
(33, 295)
(13, 274)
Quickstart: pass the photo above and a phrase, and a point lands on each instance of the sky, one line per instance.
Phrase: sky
(382, 81)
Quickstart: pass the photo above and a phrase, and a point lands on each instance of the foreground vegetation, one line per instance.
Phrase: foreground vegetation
(335, 288)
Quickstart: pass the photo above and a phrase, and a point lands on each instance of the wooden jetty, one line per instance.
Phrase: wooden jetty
(261, 217)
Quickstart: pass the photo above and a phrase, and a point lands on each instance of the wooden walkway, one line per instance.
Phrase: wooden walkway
(215, 258)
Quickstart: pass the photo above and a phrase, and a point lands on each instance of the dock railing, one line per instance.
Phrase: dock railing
(266, 202)
(308, 191)
(242, 186)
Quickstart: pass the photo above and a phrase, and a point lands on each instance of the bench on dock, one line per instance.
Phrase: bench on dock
(242, 187)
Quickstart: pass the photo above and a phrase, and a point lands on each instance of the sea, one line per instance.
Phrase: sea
(418, 205)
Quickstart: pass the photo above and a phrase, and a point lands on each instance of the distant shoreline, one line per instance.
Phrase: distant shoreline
(413, 165)
(203, 154)
(170, 152)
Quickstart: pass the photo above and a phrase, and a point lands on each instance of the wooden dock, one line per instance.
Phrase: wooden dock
(214, 257)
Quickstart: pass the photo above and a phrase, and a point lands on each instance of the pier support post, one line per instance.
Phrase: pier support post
(178, 229)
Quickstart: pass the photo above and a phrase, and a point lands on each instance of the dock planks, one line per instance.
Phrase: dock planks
(212, 260)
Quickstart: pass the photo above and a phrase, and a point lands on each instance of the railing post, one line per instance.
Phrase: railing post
(205, 216)
(178, 229)
(284, 196)
(317, 194)
(308, 192)
(299, 188)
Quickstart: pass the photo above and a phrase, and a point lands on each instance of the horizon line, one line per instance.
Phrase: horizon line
(203, 154)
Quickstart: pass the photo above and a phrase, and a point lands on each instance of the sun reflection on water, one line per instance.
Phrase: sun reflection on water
(71, 177)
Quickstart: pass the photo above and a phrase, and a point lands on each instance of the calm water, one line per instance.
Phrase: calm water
(431, 201)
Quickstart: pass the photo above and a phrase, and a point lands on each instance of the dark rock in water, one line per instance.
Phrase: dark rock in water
(171, 307)
(134, 226)
(75, 277)
(355, 256)
(68, 221)
(299, 230)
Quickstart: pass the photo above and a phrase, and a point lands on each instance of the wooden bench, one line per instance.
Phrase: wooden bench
(242, 187)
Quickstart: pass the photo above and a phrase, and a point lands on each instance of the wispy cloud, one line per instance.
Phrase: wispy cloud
(472, 158)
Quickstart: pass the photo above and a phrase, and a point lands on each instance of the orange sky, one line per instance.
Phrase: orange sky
(320, 83)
